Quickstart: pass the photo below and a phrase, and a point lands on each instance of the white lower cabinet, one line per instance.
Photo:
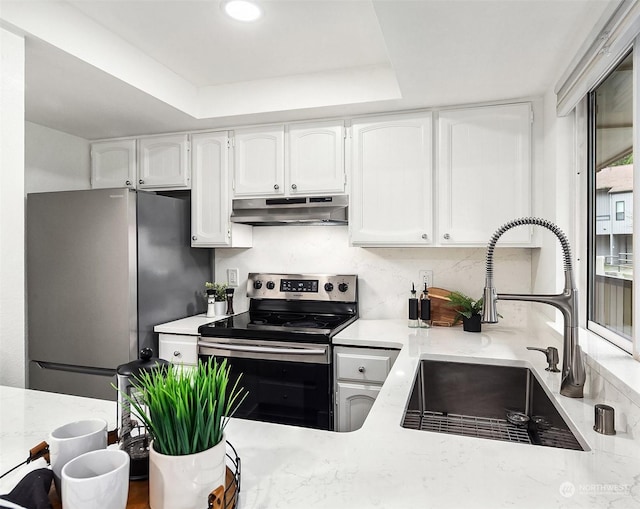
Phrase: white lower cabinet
(359, 375)
(354, 403)
(179, 349)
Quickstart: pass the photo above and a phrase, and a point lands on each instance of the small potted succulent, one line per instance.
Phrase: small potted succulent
(218, 292)
(468, 310)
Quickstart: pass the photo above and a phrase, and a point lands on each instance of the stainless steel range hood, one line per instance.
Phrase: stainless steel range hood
(312, 210)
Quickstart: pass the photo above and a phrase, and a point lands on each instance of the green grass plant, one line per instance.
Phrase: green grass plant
(187, 411)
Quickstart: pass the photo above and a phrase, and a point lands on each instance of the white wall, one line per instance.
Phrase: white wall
(385, 274)
(55, 161)
(557, 202)
(12, 281)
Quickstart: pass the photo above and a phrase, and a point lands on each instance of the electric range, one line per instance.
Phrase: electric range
(282, 345)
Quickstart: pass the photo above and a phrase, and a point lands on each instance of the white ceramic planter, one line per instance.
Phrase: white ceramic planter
(184, 482)
(220, 308)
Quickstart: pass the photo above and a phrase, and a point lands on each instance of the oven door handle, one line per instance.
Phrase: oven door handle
(264, 349)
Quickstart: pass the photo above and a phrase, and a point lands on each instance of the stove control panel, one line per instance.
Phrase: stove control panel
(322, 287)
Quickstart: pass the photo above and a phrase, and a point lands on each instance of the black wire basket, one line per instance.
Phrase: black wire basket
(228, 500)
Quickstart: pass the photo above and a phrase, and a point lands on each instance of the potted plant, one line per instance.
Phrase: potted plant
(468, 310)
(185, 413)
(218, 291)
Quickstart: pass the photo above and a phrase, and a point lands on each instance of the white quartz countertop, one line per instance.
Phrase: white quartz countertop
(188, 325)
(383, 465)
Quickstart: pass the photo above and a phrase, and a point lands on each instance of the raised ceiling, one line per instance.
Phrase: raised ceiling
(100, 69)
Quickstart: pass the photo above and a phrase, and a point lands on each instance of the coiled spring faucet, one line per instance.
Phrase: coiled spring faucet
(573, 375)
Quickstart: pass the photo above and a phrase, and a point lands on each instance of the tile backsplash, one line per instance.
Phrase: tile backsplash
(384, 274)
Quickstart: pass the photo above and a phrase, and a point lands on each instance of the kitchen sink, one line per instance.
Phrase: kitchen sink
(486, 401)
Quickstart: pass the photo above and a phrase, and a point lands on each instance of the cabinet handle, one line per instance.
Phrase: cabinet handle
(293, 186)
(127, 183)
(361, 369)
(276, 187)
(177, 354)
(446, 236)
(425, 236)
(194, 237)
(142, 182)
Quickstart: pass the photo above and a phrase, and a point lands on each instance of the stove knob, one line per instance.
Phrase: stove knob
(257, 284)
(328, 287)
(343, 287)
(270, 285)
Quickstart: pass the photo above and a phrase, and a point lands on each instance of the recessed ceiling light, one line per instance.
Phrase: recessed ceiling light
(242, 10)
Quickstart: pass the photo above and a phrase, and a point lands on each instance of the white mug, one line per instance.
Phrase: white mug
(96, 480)
(73, 439)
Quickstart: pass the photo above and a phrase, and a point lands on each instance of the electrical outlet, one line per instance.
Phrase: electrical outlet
(232, 277)
(425, 276)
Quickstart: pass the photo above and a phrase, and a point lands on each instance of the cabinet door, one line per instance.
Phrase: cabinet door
(164, 162)
(259, 161)
(316, 158)
(484, 173)
(391, 202)
(113, 164)
(353, 403)
(210, 194)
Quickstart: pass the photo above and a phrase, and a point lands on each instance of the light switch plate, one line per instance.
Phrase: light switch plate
(232, 277)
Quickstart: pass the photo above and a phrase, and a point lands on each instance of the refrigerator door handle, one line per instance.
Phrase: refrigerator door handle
(76, 369)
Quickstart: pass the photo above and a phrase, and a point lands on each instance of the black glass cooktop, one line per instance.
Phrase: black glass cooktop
(279, 325)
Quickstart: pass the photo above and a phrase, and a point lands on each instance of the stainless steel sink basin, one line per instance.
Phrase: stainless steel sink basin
(486, 401)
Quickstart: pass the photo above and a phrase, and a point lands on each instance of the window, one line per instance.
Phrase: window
(610, 272)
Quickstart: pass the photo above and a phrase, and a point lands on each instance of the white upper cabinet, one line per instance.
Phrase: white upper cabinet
(315, 159)
(210, 195)
(163, 162)
(484, 173)
(113, 164)
(391, 193)
(259, 161)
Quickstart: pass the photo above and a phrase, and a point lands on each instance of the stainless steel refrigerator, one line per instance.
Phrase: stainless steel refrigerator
(104, 266)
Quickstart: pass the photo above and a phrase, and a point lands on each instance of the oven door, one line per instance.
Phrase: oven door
(287, 383)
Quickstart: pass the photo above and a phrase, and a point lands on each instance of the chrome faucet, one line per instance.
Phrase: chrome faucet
(573, 375)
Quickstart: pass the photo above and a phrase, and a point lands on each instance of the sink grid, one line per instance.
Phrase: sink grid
(486, 427)
(467, 425)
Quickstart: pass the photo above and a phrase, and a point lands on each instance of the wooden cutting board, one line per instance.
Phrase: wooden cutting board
(441, 313)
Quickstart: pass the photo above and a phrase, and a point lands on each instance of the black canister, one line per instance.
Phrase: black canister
(229, 294)
(133, 435)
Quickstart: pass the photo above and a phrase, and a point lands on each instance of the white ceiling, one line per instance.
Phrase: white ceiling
(196, 40)
(160, 66)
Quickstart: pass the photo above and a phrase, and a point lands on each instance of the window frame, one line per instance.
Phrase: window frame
(585, 126)
(620, 213)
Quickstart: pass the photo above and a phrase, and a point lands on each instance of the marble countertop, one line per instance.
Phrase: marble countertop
(383, 465)
(188, 326)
